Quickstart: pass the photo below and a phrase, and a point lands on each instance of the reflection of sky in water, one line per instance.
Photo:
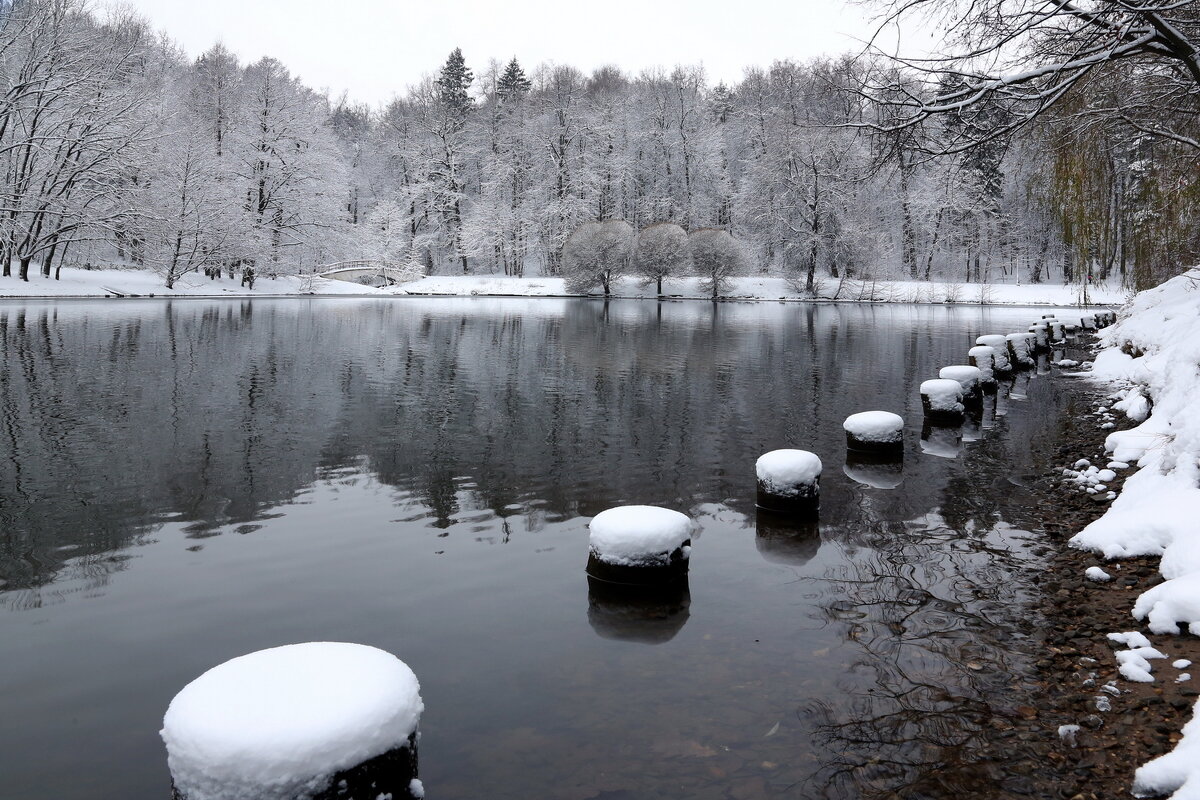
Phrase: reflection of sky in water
(188, 482)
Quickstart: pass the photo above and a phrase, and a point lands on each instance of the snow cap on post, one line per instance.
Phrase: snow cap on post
(941, 399)
(983, 358)
(969, 378)
(789, 481)
(639, 545)
(1041, 331)
(998, 343)
(1021, 347)
(875, 432)
(293, 721)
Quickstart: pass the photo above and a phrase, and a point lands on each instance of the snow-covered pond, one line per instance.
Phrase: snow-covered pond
(184, 482)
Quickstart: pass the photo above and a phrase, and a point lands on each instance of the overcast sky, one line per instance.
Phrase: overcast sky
(376, 48)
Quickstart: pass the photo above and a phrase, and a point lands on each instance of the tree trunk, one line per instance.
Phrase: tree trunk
(24, 274)
(908, 244)
(937, 230)
(48, 259)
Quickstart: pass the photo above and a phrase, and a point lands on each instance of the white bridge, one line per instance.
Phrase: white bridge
(372, 273)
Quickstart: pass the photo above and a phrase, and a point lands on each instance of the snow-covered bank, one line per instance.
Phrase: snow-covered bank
(763, 288)
(1152, 359)
(143, 283)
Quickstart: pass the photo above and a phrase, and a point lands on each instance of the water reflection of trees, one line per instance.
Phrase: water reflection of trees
(120, 416)
(934, 614)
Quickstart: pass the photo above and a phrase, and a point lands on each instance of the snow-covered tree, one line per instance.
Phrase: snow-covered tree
(513, 84)
(597, 253)
(716, 257)
(661, 252)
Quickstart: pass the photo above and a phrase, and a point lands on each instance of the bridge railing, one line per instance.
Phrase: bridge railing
(390, 271)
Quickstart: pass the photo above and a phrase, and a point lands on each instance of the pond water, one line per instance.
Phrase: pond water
(184, 482)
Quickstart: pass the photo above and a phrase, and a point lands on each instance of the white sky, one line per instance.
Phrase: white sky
(376, 48)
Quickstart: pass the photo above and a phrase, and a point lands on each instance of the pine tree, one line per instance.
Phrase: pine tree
(513, 83)
(721, 102)
(453, 83)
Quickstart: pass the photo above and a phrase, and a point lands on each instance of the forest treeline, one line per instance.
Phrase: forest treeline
(118, 149)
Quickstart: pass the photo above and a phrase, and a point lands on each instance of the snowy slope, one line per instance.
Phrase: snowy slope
(1153, 361)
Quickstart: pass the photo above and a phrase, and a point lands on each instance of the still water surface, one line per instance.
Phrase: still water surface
(184, 482)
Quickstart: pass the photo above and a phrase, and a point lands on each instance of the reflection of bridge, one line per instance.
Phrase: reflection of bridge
(372, 273)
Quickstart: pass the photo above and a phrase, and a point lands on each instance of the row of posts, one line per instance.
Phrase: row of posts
(638, 556)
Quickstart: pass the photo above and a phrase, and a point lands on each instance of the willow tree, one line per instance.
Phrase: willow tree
(1117, 82)
(597, 253)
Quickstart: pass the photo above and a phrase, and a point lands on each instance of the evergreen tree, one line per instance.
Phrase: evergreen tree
(453, 83)
(721, 102)
(513, 83)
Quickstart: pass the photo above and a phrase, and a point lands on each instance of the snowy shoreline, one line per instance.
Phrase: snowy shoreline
(145, 284)
(1150, 361)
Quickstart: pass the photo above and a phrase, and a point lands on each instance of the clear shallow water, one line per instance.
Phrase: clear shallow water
(181, 483)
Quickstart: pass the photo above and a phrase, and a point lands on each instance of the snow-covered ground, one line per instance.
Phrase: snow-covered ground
(763, 288)
(143, 283)
(1152, 362)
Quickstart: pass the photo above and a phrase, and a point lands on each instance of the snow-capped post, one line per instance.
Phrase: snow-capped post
(1002, 367)
(789, 482)
(319, 720)
(941, 399)
(1058, 330)
(970, 379)
(639, 545)
(1021, 349)
(1041, 332)
(983, 358)
(1088, 322)
(875, 432)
